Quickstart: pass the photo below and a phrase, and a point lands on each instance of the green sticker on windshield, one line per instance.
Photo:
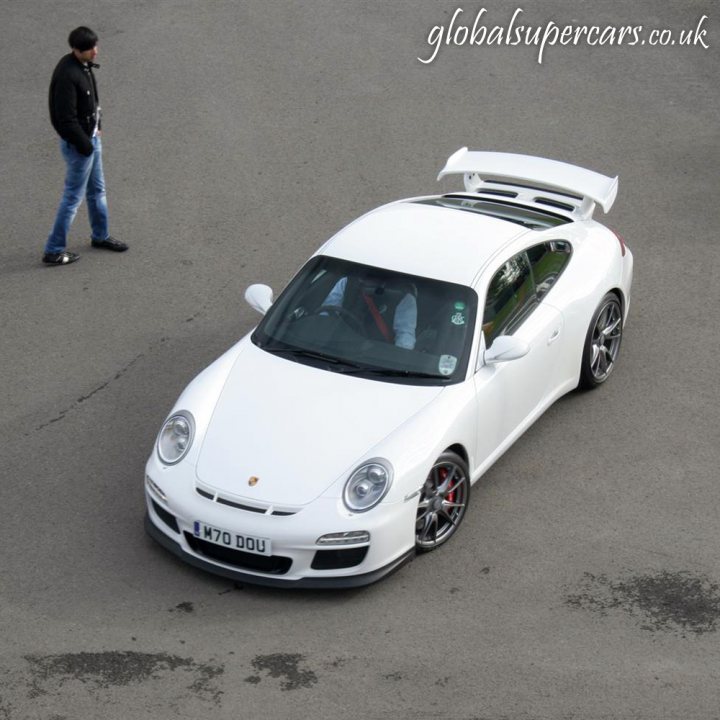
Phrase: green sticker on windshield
(458, 317)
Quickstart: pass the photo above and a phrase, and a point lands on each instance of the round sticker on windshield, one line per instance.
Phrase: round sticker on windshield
(447, 364)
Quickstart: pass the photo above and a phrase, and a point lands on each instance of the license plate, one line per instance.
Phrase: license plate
(233, 540)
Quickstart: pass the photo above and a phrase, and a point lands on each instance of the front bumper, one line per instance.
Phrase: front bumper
(174, 504)
(308, 583)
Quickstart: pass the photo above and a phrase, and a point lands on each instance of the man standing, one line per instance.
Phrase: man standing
(75, 115)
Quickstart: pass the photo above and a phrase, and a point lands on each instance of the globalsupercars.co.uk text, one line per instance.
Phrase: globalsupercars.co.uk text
(463, 30)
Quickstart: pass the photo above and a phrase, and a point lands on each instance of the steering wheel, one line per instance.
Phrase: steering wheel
(349, 317)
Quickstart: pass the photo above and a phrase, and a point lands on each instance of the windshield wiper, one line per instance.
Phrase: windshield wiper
(348, 367)
(300, 352)
(385, 372)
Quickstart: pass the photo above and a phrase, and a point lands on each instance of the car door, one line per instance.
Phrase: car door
(511, 394)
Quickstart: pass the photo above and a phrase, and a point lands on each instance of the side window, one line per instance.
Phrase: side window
(510, 297)
(548, 261)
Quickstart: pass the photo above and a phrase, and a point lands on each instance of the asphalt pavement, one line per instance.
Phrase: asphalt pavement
(238, 136)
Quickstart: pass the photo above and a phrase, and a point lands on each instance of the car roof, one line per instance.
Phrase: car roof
(426, 240)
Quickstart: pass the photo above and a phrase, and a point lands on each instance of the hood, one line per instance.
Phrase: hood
(297, 428)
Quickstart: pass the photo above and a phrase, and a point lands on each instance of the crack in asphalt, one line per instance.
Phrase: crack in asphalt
(93, 392)
(62, 414)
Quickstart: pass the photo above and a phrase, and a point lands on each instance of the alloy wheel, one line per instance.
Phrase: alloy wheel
(605, 341)
(443, 501)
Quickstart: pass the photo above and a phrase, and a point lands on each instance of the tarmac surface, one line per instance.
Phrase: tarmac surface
(238, 136)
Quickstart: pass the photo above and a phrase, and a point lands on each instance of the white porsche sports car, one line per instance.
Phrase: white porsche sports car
(343, 435)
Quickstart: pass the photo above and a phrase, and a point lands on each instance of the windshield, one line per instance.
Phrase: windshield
(375, 323)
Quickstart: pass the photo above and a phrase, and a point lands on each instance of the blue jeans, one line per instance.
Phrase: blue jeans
(83, 177)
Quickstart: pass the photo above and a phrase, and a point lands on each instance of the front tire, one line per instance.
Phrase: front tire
(443, 501)
(602, 343)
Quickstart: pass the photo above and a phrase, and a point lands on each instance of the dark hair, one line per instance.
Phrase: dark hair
(82, 38)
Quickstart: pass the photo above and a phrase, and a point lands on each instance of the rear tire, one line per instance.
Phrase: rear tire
(602, 343)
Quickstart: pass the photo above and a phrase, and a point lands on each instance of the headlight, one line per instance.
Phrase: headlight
(175, 438)
(367, 485)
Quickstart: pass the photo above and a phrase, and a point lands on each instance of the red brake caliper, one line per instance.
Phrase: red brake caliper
(450, 496)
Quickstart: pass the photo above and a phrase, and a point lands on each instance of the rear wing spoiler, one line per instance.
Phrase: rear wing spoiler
(580, 189)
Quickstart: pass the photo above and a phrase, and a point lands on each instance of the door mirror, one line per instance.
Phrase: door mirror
(259, 297)
(504, 348)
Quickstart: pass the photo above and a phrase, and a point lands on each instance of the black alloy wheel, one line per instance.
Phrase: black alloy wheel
(443, 501)
(602, 343)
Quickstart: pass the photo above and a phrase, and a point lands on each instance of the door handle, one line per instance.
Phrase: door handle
(554, 336)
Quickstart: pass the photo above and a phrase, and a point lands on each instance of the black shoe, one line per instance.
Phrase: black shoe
(110, 243)
(61, 258)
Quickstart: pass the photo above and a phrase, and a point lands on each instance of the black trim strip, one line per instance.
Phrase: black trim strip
(536, 187)
(240, 506)
(479, 198)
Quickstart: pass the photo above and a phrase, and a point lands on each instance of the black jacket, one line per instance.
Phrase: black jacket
(74, 103)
